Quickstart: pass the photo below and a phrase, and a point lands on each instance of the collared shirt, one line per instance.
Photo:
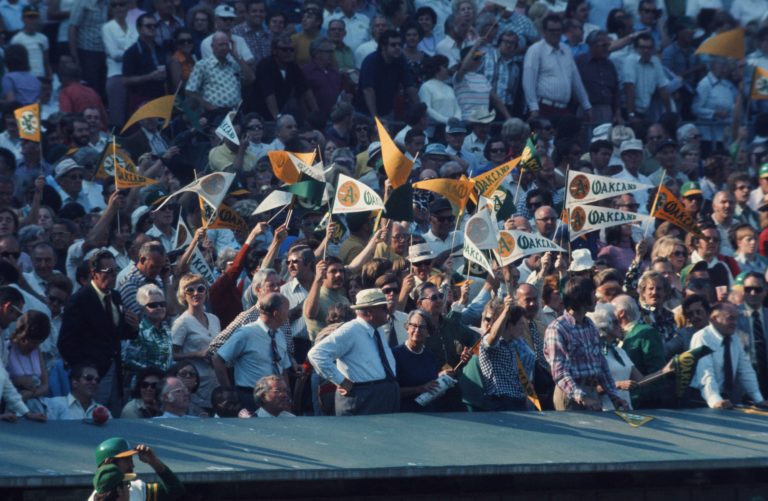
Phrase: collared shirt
(69, 407)
(12, 14)
(351, 352)
(386, 79)
(440, 100)
(550, 73)
(258, 40)
(755, 264)
(714, 95)
(217, 82)
(131, 283)
(89, 16)
(249, 349)
(102, 296)
(498, 366)
(523, 26)
(710, 373)
(345, 58)
(260, 412)
(726, 249)
(249, 316)
(37, 283)
(503, 74)
(601, 80)
(296, 294)
(646, 77)
(206, 49)
(574, 352)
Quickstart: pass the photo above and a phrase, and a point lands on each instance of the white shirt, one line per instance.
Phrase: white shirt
(709, 370)
(364, 50)
(756, 198)
(36, 46)
(641, 196)
(351, 352)
(746, 11)
(357, 27)
(69, 408)
(713, 95)
(296, 294)
(449, 48)
(167, 241)
(260, 412)
(116, 42)
(551, 73)
(437, 245)
(36, 282)
(646, 77)
(440, 100)
(206, 48)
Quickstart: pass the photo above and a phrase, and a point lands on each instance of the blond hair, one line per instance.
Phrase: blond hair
(186, 281)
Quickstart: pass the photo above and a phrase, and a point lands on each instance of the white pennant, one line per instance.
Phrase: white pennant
(353, 196)
(226, 130)
(212, 188)
(585, 218)
(314, 171)
(475, 255)
(274, 200)
(183, 235)
(199, 265)
(586, 188)
(482, 228)
(514, 244)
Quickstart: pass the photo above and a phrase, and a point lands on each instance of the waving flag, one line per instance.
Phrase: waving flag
(670, 208)
(353, 196)
(162, 107)
(28, 121)
(455, 190)
(283, 166)
(488, 182)
(586, 188)
(211, 188)
(396, 165)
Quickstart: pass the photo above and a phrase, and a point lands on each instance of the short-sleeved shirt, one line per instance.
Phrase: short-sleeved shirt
(328, 298)
(188, 333)
(217, 82)
(25, 87)
(36, 46)
(250, 351)
(386, 80)
(89, 16)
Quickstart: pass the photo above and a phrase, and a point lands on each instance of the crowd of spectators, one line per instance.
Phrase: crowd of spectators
(103, 303)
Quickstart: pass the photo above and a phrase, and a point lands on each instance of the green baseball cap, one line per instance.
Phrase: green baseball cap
(690, 188)
(109, 477)
(739, 280)
(763, 170)
(115, 447)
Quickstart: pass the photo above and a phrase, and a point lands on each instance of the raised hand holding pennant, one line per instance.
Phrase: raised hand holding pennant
(211, 188)
(227, 131)
(353, 196)
(586, 188)
(514, 244)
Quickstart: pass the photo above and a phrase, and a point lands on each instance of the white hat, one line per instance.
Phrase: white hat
(631, 145)
(621, 133)
(65, 166)
(137, 214)
(478, 115)
(368, 298)
(581, 259)
(602, 131)
(420, 252)
(225, 10)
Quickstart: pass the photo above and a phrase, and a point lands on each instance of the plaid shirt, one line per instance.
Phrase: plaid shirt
(259, 41)
(498, 366)
(575, 353)
(89, 16)
(249, 316)
(504, 76)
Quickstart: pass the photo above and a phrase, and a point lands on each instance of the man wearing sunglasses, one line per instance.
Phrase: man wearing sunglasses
(753, 321)
(79, 403)
(144, 71)
(94, 324)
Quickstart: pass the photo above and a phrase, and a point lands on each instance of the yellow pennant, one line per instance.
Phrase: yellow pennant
(455, 190)
(107, 162)
(488, 182)
(726, 44)
(532, 396)
(28, 120)
(126, 179)
(670, 208)
(162, 108)
(284, 168)
(227, 218)
(396, 165)
(633, 420)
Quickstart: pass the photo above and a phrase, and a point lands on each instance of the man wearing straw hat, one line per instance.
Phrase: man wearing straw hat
(358, 360)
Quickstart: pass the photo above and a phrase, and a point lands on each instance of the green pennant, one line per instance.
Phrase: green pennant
(399, 205)
(193, 117)
(530, 157)
(503, 202)
(309, 189)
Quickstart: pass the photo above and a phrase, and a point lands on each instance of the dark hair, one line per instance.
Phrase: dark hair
(693, 299)
(61, 282)
(487, 147)
(94, 263)
(427, 11)
(8, 210)
(181, 31)
(372, 270)
(174, 371)
(142, 375)
(411, 25)
(9, 158)
(412, 133)
(32, 325)
(16, 58)
(385, 37)
(612, 24)
(12, 295)
(613, 235)
(387, 278)
(643, 36)
(141, 18)
(600, 144)
(563, 148)
(432, 65)
(549, 19)
(578, 292)
(76, 371)
(571, 7)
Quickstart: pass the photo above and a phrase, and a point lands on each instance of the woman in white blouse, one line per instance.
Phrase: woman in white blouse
(437, 94)
(118, 34)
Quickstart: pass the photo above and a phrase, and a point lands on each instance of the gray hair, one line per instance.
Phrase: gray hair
(261, 276)
(280, 123)
(604, 317)
(423, 314)
(150, 248)
(318, 43)
(262, 388)
(145, 293)
(628, 305)
(227, 255)
(449, 165)
(514, 128)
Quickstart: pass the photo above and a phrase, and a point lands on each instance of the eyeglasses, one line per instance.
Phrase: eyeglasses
(390, 290)
(443, 219)
(200, 289)
(158, 304)
(753, 290)
(418, 327)
(434, 297)
(7, 254)
(107, 271)
(186, 374)
(743, 187)
(147, 384)
(680, 254)
(696, 198)
(91, 378)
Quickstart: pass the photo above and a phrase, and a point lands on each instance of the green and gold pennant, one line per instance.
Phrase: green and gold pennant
(633, 420)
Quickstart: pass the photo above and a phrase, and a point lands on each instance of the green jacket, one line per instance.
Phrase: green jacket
(645, 347)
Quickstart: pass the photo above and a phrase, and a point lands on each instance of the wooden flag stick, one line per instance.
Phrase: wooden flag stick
(517, 190)
(114, 170)
(655, 201)
(278, 213)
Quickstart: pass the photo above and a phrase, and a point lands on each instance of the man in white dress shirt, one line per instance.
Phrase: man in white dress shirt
(726, 375)
(357, 359)
(79, 403)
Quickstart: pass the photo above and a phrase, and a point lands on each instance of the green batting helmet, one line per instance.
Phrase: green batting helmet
(115, 447)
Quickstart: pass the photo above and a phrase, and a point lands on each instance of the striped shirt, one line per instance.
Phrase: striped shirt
(550, 73)
(574, 353)
(498, 366)
(646, 77)
(472, 92)
(130, 285)
(249, 316)
(504, 76)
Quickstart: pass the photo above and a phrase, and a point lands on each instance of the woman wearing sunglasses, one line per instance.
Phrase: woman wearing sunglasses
(183, 60)
(152, 347)
(193, 331)
(145, 403)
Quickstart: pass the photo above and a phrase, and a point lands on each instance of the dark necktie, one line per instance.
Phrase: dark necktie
(275, 355)
(727, 368)
(760, 353)
(536, 340)
(392, 337)
(390, 376)
(108, 307)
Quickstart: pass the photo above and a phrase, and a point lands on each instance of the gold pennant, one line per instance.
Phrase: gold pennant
(633, 420)
(532, 396)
